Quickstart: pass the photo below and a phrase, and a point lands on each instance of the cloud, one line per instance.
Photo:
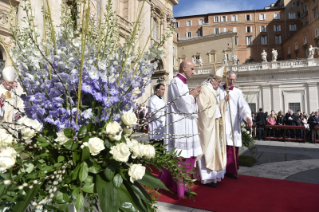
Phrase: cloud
(195, 7)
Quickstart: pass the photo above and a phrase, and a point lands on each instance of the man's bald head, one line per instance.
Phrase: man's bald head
(187, 68)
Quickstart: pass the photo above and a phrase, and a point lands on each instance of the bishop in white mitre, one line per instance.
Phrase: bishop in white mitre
(12, 105)
(211, 165)
(240, 110)
(157, 113)
(182, 133)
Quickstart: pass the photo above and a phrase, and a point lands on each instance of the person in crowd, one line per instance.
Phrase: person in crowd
(271, 120)
(280, 121)
(317, 119)
(211, 166)
(142, 116)
(312, 121)
(240, 110)
(261, 122)
(11, 105)
(253, 116)
(291, 119)
(182, 133)
(156, 111)
(302, 123)
(307, 129)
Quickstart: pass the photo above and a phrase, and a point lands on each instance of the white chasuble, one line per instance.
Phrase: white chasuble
(240, 110)
(181, 132)
(212, 164)
(156, 111)
(8, 111)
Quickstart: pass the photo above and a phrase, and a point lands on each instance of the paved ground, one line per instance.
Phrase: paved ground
(291, 161)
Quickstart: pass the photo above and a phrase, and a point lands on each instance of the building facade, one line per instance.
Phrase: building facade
(307, 37)
(257, 30)
(157, 19)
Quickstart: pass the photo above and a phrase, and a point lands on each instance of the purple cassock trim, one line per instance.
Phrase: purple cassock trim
(230, 88)
(181, 77)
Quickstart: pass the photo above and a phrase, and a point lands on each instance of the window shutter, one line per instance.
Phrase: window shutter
(224, 29)
(226, 18)
(279, 27)
(260, 16)
(234, 29)
(236, 17)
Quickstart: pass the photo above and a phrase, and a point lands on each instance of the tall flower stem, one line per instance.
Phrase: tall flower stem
(85, 22)
(52, 27)
(45, 37)
(135, 30)
(149, 37)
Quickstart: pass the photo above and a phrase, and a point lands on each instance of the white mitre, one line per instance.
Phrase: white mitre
(218, 74)
(9, 74)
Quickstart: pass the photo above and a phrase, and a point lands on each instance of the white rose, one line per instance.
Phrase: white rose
(61, 139)
(136, 172)
(138, 150)
(96, 145)
(128, 131)
(7, 158)
(7, 182)
(120, 152)
(5, 139)
(114, 130)
(129, 118)
(243, 129)
(131, 142)
(149, 151)
(26, 131)
(36, 125)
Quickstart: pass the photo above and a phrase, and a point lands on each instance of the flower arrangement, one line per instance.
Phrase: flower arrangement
(247, 139)
(75, 144)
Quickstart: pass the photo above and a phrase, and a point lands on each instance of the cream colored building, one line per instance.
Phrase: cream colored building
(156, 15)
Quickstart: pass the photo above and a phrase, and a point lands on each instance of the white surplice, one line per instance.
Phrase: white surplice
(239, 110)
(156, 111)
(182, 134)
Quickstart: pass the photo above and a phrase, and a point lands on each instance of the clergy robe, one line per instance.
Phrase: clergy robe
(183, 123)
(7, 110)
(156, 110)
(239, 110)
(211, 166)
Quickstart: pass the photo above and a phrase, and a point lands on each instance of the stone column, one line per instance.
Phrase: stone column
(266, 98)
(276, 98)
(312, 96)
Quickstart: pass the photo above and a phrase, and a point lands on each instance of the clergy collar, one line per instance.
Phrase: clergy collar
(158, 96)
(182, 77)
(230, 88)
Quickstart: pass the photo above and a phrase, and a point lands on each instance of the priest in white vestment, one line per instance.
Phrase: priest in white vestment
(182, 134)
(13, 106)
(211, 166)
(156, 111)
(240, 110)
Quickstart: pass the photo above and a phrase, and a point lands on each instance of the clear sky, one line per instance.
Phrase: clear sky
(194, 7)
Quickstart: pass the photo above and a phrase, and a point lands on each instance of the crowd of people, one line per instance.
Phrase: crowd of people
(308, 121)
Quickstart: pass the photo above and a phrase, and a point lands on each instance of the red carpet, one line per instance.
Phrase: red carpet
(252, 194)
